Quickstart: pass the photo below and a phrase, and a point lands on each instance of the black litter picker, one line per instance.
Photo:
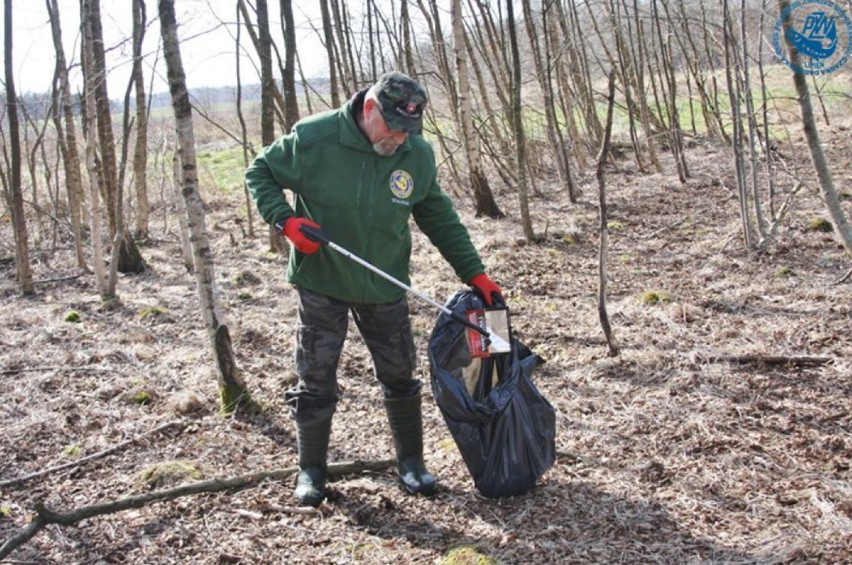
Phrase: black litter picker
(482, 383)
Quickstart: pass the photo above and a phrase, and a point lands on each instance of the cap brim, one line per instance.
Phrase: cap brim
(398, 123)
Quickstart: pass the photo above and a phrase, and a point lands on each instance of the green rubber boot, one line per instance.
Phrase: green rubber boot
(406, 424)
(313, 452)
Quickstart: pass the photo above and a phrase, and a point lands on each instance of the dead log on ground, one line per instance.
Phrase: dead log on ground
(45, 516)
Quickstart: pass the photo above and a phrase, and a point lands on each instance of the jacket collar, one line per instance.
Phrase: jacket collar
(350, 132)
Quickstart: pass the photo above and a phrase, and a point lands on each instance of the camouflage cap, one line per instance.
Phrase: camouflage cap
(401, 101)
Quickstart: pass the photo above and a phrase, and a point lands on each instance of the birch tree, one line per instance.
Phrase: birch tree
(233, 393)
(484, 198)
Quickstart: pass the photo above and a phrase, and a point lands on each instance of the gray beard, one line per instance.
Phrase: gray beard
(384, 150)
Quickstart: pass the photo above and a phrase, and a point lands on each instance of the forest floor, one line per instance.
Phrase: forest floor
(721, 434)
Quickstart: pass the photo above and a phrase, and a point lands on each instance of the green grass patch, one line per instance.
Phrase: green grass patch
(785, 272)
(168, 473)
(467, 555)
(654, 297)
(74, 317)
(151, 312)
(222, 171)
(142, 398)
(820, 225)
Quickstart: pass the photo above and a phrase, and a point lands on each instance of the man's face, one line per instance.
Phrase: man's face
(385, 140)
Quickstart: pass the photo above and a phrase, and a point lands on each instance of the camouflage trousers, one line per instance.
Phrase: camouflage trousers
(321, 333)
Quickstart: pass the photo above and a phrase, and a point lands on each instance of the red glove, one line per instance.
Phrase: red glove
(292, 229)
(486, 288)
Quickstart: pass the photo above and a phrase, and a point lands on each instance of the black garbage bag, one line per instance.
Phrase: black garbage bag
(505, 430)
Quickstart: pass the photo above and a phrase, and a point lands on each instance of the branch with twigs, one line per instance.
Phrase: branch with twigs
(84, 460)
(776, 360)
(46, 516)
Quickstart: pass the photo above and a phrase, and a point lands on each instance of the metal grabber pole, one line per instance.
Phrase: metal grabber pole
(320, 236)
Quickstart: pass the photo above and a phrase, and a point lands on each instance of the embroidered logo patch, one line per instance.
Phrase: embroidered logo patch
(401, 184)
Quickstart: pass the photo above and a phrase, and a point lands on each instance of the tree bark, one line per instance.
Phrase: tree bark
(232, 390)
(68, 135)
(484, 198)
(93, 167)
(45, 516)
(125, 254)
(140, 150)
(22, 254)
(612, 344)
(291, 102)
(518, 127)
(407, 52)
(329, 48)
(267, 80)
(244, 141)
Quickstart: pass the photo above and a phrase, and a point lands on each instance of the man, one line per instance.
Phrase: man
(359, 173)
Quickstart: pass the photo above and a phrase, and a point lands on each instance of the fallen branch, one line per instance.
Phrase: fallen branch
(796, 360)
(54, 368)
(86, 459)
(60, 279)
(845, 277)
(45, 516)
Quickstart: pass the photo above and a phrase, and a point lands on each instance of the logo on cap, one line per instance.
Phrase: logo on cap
(401, 102)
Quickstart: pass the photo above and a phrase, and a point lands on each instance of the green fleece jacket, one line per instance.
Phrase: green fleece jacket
(362, 201)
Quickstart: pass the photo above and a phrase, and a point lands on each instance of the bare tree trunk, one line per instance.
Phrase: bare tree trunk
(291, 102)
(371, 40)
(232, 390)
(612, 343)
(67, 135)
(93, 169)
(764, 98)
(267, 81)
(125, 254)
(518, 126)
(346, 60)
(22, 254)
(180, 207)
(485, 203)
(407, 52)
(32, 151)
(329, 48)
(842, 227)
(91, 20)
(754, 162)
(243, 129)
(140, 150)
(267, 99)
(542, 69)
(259, 47)
(736, 126)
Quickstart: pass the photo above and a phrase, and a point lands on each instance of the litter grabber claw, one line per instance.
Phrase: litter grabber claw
(493, 341)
